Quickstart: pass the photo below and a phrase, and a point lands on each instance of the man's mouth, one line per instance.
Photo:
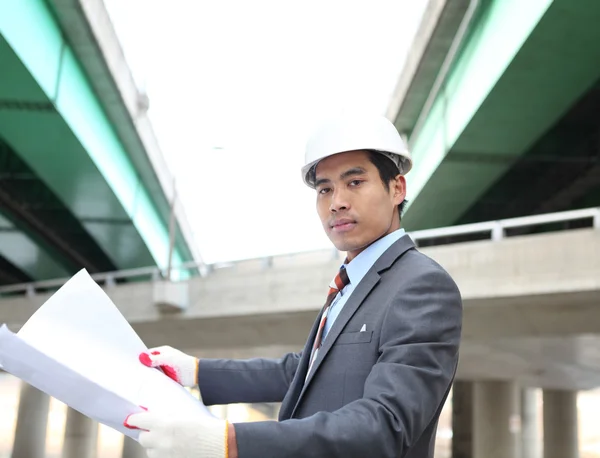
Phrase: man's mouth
(343, 225)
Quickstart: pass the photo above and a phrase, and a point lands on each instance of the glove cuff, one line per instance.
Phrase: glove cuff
(189, 372)
(214, 440)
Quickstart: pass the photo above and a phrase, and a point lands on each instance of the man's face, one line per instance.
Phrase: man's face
(354, 206)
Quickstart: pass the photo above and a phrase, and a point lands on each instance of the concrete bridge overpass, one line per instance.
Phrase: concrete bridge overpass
(531, 301)
(83, 182)
(499, 100)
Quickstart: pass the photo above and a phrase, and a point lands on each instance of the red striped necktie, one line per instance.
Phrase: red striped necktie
(338, 284)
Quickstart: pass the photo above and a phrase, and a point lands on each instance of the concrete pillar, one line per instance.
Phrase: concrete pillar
(131, 449)
(496, 420)
(531, 444)
(561, 439)
(81, 436)
(32, 419)
(462, 420)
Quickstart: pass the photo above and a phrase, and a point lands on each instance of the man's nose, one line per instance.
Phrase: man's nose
(339, 201)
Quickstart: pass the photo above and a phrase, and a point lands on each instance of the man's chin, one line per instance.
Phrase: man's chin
(341, 244)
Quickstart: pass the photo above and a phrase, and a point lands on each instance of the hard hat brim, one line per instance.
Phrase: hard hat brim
(404, 164)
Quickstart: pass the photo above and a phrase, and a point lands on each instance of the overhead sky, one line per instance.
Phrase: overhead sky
(235, 87)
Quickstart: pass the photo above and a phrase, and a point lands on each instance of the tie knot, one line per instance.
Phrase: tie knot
(341, 280)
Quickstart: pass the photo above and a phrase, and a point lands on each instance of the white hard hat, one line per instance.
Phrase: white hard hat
(351, 133)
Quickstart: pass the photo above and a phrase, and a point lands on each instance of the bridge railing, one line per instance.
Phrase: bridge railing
(494, 231)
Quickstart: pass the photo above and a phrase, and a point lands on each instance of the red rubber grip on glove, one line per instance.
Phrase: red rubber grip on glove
(168, 370)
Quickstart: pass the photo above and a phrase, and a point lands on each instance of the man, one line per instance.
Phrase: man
(381, 357)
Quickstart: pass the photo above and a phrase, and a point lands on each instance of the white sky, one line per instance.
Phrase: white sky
(253, 78)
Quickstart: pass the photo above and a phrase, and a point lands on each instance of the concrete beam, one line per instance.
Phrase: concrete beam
(537, 285)
(530, 307)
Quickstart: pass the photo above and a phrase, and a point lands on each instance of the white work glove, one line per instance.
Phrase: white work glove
(177, 365)
(177, 436)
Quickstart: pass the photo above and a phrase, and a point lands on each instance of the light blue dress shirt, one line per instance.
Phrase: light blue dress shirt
(357, 269)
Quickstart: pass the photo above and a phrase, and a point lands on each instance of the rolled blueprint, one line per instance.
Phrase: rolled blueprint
(78, 348)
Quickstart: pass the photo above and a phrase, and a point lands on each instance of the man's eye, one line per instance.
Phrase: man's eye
(355, 182)
(323, 190)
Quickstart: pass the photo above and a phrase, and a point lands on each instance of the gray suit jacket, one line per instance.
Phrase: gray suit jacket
(375, 394)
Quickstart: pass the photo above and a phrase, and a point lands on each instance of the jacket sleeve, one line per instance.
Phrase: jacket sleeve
(403, 394)
(228, 381)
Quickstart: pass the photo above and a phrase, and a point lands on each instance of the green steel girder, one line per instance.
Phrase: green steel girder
(37, 212)
(52, 119)
(523, 66)
(561, 171)
(85, 28)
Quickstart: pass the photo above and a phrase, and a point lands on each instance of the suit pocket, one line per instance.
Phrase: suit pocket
(354, 337)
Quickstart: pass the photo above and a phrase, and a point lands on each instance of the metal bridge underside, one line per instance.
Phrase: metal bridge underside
(560, 172)
(515, 129)
(70, 196)
(36, 221)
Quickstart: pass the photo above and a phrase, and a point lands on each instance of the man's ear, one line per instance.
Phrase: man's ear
(398, 187)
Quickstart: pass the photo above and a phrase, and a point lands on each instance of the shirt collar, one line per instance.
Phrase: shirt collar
(360, 265)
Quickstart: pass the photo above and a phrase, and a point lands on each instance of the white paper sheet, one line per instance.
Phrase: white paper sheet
(79, 349)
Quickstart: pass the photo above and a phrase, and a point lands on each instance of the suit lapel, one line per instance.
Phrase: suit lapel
(389, 256)
(359, 294)
(357, 297)
(350, 307)
(300, 375)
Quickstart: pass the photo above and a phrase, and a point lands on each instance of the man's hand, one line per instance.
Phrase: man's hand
(180, 367)
(176, 436)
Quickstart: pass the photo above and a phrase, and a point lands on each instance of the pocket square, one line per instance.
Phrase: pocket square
(364, 328)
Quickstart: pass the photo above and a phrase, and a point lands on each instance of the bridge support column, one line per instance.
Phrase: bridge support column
(81, 436)
(32, 420)
(462, 420)
(561, 439)
(131, 449)
(531, 444)
(496, 420)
